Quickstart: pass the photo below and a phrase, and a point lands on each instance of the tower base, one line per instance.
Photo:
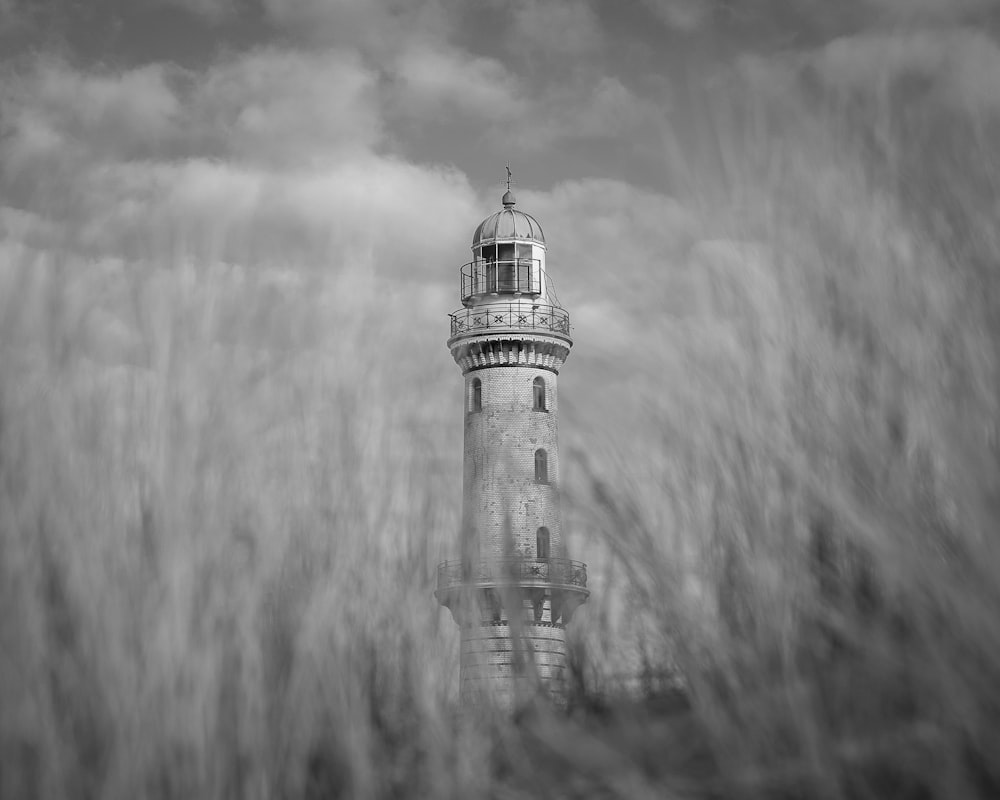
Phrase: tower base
(505, 665)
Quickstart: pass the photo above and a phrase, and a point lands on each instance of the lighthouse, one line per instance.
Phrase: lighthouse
(513, 589)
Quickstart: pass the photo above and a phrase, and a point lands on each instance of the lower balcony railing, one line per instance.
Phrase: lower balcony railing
(509, 316)
(525, 571)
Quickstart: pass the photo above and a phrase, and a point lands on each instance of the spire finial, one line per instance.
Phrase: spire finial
(508, 198)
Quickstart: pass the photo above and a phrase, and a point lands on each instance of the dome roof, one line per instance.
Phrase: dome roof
(508, 224)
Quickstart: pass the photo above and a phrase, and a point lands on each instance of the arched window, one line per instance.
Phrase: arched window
(542, 543)
(538, 393)
(476, 401)
(541, 466)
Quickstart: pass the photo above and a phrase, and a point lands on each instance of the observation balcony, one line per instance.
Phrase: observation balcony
(509, 316)
(508, 276)
(541, 587)
(555, 573)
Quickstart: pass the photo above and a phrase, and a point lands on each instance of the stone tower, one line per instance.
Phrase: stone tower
(513, 590)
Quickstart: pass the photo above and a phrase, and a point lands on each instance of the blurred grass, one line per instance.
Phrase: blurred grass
(225, 490)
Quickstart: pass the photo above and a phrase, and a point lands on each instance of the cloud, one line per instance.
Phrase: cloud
(51, 107)
(430, 81)
(214, 10)
(612, 240)
(266, 156)
(618, 256)
(556, 26)
(370, 211)
(961, 65)
(927, 9)
(279, 106)
(682, 15)
(266, 105)
(11, 12)
(755, 25)
(334, 20)
(974, 70)
(600, 111)
(376, 27)
(415, 71)
(611, 110)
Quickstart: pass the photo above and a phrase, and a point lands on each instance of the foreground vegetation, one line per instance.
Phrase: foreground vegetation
(219, 525)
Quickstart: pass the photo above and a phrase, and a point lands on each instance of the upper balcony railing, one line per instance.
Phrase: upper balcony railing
(556, 572)
(509, 316)
(515, 276)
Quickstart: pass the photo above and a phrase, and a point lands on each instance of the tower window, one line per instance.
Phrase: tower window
(541, 466)
(525, 282)
(542, 543)
(506, 272)
(507, 281)
(476, 401)
(538, 393)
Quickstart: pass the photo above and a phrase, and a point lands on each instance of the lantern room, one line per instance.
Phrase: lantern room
(508, 251)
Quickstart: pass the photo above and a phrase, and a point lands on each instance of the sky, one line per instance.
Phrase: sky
(312, 135)
(375, 107)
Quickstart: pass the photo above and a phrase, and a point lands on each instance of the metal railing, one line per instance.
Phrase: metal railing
(482, 276)
(509, 316)
(527, 571)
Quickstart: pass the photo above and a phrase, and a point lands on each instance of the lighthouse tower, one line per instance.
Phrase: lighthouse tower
(513, 590)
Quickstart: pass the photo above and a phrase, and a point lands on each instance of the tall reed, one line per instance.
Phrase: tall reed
(225, 490)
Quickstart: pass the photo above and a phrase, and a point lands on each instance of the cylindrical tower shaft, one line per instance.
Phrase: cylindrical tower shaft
(510, 498)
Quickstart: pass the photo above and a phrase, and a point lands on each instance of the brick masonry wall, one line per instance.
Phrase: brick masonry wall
(497, 666)
(503, 504)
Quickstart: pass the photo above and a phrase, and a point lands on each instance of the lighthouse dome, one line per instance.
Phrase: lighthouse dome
(508, 224)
